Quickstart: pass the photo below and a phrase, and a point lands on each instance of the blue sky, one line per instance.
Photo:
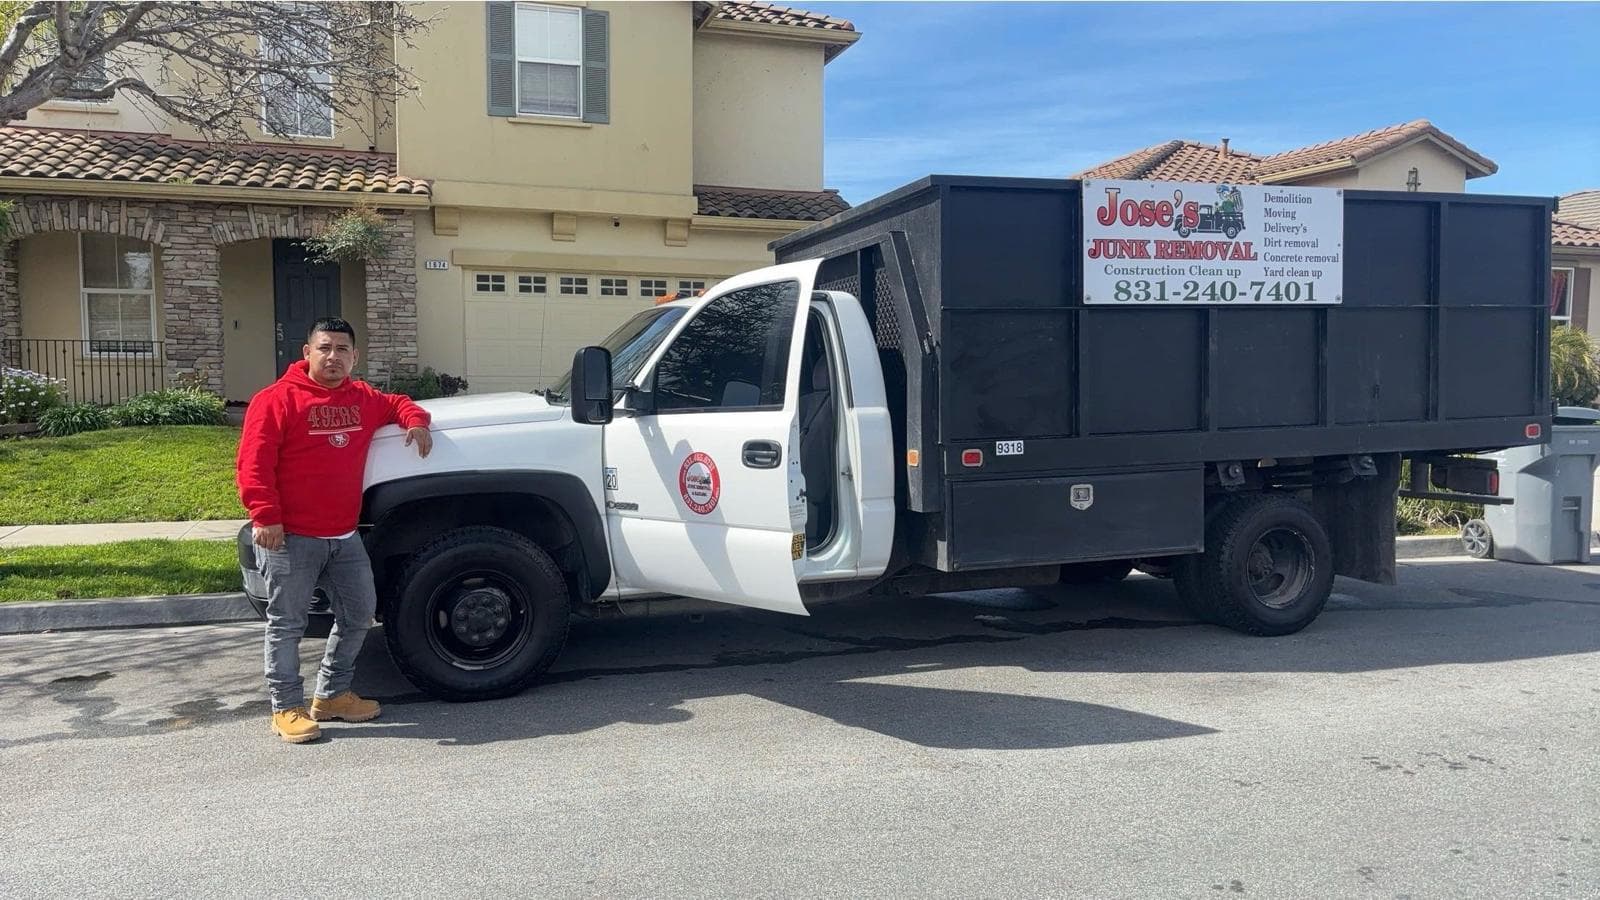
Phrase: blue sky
(1044, 89)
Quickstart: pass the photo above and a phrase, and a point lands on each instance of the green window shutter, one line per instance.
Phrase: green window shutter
(502, 19)
(596, 66)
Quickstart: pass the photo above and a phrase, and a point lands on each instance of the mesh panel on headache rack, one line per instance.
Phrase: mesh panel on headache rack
(885, 321)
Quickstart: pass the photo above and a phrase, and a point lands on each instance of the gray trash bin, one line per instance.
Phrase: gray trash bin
(1553, 486)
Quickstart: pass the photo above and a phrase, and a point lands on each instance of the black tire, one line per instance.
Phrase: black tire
(481, 612)
(1477, 540)
(1267, 569)
(1092, 572)
(1183, 231)
(1231, 232)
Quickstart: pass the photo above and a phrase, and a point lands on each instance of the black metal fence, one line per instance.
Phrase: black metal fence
(92, 371)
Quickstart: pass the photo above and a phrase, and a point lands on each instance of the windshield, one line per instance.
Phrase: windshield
(630, 346)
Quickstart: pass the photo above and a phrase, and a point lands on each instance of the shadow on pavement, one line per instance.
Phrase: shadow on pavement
(855, 663)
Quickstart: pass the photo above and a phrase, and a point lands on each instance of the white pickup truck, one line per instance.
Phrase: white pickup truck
(923, 400)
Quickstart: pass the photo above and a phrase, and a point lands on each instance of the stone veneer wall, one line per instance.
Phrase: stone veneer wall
(190, 235)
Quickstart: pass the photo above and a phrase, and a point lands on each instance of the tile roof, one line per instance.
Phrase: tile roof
(1582, 208)
(1179, 161)
(157, 159)
(1192, 161)
(1361, 147)
(1569, 234)
(768, 14)
(759, 203)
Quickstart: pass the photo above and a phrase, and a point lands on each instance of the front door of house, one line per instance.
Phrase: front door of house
(303, 292)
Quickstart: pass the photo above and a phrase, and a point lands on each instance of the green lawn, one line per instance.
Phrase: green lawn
(129, 569)
(165, 474)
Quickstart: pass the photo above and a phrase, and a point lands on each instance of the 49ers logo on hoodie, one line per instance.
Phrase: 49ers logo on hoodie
(334, 421)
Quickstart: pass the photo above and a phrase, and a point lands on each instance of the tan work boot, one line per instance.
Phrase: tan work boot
(347, 706)
(294, 726)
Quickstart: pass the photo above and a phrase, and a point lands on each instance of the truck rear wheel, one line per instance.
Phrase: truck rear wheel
(1267, 569)
(480, 614)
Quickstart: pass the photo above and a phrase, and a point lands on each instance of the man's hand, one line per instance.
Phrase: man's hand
(269, 537)
(422, 438)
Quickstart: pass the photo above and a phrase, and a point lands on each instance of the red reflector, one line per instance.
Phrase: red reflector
(972, 458)
(1533, 431)
(1494, 484)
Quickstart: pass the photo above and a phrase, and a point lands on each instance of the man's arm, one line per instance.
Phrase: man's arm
(413, 418)
(257, 469)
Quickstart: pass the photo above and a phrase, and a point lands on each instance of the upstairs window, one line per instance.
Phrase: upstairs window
(549, 61)
(292, 111)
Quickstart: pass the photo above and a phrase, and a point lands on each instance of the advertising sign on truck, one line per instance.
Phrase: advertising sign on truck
(1155, 242)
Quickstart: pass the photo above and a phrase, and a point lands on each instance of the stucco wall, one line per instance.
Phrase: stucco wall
(757, 113)
(1438, 171)
(121, 113)
(447, 135)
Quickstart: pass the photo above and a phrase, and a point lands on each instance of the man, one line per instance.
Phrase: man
(301, 461)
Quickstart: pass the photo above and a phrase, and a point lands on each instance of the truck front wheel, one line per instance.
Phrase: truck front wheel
(481, 613)
(1267, 569)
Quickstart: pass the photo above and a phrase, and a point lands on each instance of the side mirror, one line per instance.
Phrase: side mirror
(591, 386)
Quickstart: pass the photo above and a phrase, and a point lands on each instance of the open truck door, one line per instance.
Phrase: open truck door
(704, 492)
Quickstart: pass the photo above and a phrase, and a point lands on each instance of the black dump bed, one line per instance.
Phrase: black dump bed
(1440, 343)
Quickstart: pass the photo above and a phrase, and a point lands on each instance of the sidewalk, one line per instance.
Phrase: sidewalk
(64, 535)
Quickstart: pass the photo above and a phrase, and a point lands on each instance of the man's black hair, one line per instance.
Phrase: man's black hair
(333, 324)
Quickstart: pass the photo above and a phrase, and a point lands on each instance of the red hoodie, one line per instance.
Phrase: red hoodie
(304, 450)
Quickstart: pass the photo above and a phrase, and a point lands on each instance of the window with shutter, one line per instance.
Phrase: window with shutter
(548, 61)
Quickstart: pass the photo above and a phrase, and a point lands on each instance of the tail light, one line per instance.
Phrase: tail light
(972, 458)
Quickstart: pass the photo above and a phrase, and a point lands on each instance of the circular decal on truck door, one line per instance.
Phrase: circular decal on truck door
(699, 483)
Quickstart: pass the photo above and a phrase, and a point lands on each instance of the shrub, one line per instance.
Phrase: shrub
(356, 235)
(74, 418)
(25, 395)
(427, 385)
(176, 406)
(1574, 369)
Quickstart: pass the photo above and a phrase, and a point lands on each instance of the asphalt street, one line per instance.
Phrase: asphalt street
(1434, 739)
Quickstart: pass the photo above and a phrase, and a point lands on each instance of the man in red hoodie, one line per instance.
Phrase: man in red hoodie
(301, 461)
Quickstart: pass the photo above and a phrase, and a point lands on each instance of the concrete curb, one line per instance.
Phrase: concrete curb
(129, 612)
(1428, 546)
(212, 609)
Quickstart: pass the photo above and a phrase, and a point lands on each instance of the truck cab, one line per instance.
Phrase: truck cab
(733, 447)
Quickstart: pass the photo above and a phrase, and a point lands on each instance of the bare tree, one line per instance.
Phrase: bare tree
(213, 65)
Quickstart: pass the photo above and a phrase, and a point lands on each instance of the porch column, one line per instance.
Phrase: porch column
(392, 301)
(192, 298)
(10, 306)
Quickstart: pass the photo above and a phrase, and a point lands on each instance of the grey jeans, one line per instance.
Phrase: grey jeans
(292, 574)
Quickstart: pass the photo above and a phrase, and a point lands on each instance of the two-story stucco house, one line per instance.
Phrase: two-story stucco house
(563, 164)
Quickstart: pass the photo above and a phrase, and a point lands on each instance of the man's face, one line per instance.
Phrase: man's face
(332, 356)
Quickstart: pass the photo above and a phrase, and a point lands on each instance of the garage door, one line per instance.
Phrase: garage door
(522, 328)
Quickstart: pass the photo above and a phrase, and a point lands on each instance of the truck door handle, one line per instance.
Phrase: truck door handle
(762, 454)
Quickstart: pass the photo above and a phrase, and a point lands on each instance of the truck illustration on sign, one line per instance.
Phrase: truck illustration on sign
(1225, 216)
